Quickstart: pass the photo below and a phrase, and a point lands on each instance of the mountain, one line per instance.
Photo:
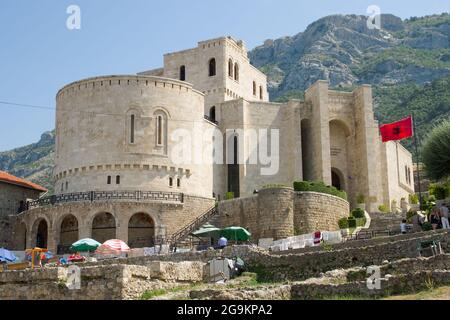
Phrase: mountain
(33, 162)
(407, 62)
(343, 50)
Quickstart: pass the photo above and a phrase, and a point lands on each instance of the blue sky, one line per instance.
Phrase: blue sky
(39, 55)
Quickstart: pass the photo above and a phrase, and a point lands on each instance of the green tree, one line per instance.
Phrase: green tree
(436, 152)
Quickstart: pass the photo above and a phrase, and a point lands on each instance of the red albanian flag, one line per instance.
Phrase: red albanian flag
(400, 130)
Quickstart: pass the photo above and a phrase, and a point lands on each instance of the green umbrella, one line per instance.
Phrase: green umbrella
(236, 233)
(207, 231)
(85, 245)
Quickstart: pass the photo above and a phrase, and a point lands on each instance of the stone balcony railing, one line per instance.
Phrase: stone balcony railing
(92, 196)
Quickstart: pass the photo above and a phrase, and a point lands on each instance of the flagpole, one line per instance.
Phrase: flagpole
(417, 160)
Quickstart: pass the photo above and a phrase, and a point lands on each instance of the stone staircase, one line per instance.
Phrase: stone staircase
(386, 221)
(182, 235)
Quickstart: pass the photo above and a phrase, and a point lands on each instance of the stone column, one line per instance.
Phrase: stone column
(367, 149)
(317, 94)
(122, 230)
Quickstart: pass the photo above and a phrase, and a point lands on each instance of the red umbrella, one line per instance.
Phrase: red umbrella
(114, 246)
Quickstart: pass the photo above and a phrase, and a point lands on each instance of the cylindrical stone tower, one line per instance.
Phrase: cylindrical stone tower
(115, 134)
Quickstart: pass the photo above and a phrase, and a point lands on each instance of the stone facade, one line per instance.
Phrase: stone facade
(281, 213)
(66, 223)
(14, 197)
(125, 134)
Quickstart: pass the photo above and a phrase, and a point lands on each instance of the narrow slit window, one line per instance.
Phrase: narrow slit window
(236, 72)
(160, 131)
(212, 67)
(117, 179)
(170, 182)
(132, 125)
(254, 88)
(183, 73)
(261, 92)
(178, 182)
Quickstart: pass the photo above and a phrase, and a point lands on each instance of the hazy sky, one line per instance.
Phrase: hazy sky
(39, 55)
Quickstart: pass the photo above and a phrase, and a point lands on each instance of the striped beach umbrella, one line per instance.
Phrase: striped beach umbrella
(114, 246)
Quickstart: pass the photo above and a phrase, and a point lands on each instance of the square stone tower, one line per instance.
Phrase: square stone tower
(221, 69)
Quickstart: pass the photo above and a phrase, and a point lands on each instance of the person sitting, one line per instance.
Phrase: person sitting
(404, 227)
(223, 242)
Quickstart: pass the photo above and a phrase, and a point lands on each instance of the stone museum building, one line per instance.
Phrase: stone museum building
(115, 175)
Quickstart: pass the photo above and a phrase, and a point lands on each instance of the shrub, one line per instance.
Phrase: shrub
(319, 187)
(427, 226)
(361, 222)
(440, 190)
(343, 223)
(414, 199)
(229, 195)
(435, 151)
(383, 208)
(352, 222)
(360, 199)
(358, 213)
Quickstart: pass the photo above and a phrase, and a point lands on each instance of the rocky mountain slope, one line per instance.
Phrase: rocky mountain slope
(343, 50)
(33, 162)
(407, 62)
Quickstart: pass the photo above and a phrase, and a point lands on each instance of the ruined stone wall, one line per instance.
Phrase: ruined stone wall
(105, 282)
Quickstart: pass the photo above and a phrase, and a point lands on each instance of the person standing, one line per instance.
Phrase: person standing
(444, 217)
(434, 219)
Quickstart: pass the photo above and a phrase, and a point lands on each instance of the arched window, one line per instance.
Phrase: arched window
(261, 93)
(183, 73)
(132, 124)
(236, 72)
(170, 182)
(117, 179)
(108, 180)
(212, 114)
(212, 67)
(230, 68)
(254, 88)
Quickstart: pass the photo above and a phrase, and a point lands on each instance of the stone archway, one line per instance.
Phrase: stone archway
(337, 179)
(40, 233)
(341, 154)
(68, 233)
(141, 231)
(104, 227)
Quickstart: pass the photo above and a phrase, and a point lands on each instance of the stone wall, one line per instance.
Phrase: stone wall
(106, 282)
(281, 212)
(11, 197)
(317, 211)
